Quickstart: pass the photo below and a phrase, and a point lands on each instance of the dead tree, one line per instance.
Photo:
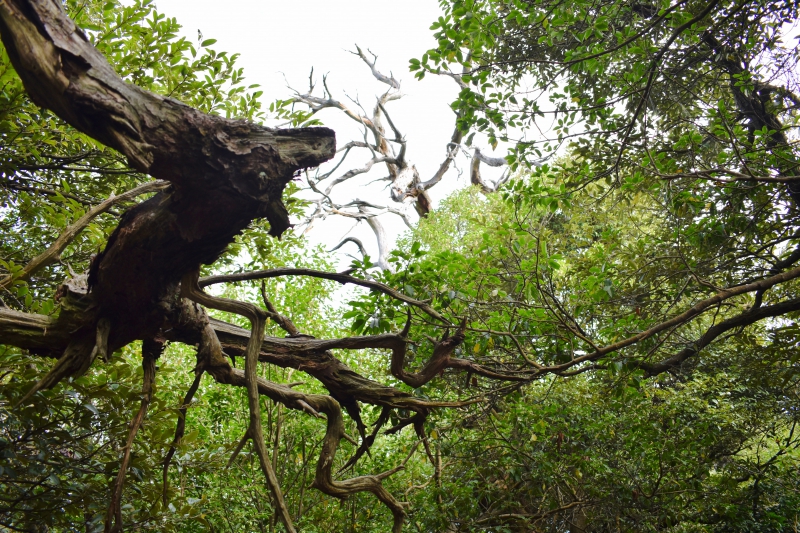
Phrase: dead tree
(406, 186)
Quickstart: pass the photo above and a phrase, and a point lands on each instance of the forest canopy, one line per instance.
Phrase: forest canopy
(603, 339)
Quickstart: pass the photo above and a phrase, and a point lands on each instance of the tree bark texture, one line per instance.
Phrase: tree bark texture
(223, 173)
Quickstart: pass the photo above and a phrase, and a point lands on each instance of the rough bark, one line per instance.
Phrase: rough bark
(223, 173)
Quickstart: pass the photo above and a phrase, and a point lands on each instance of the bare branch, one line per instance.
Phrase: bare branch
(491, 161)
(398, 137)
(456, 77)
(356, 171)
(353, 144)
(380, 236)
(284, 322)
(317, 104)
(390, 81)
(475, 172)
(214, 363)
(369, 440)
(52, 254)
(355, 241)
(452, 152)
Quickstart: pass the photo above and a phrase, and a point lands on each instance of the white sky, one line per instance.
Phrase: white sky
(280, 41)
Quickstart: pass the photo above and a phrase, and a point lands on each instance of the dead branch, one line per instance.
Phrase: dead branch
(475, 172)
(388, 80)
(452, 151)
(380, 236)
(355, 241)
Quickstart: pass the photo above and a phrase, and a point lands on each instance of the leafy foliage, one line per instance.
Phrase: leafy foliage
(618, 79)
(618, 374)
(711, 446)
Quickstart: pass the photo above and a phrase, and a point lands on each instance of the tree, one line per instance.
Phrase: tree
(555, 282)
(709, 445)
(406, 183)
(682, 102)
(621, 80)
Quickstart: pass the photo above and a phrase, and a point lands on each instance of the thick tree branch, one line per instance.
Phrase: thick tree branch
(224, 173)
(682, 318)
(62, 71)
(214, 363)
(475, 171)
(380, 236)
(452, 151)
(743, 319)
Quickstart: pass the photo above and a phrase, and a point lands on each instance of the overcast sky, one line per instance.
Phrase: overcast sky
(280, 41)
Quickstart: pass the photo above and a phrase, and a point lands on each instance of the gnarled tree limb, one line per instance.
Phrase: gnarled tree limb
(257, 317)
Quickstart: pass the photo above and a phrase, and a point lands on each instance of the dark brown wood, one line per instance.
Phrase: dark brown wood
(224, 173)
